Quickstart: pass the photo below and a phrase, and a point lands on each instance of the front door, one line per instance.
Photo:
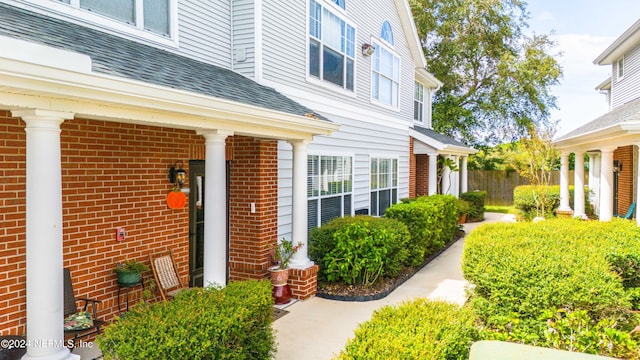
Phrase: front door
(196, 222)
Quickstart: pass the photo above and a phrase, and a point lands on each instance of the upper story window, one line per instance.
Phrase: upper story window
(385, 70)
(620, 66)
(386, 34)
(339, 3)
(385, 76)
(418, 103)
(150, 15)
(331, 47)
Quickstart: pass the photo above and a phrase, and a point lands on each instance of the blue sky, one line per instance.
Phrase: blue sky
(583, 29)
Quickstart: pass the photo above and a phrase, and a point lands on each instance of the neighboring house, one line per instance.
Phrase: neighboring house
(612, 140)
(304, 111)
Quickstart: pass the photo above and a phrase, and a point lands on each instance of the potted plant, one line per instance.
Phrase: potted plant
(282, 253)
(463, 208)
(128, 272)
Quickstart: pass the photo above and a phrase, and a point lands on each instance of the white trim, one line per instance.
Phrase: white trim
(259, 39)
(69, 13)
(329, 106)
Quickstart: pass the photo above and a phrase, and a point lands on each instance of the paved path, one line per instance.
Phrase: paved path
(317, 329)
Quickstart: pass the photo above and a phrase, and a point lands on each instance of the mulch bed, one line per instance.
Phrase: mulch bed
(384, 287)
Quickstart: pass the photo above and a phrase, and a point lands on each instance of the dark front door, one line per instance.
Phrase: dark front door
(196, 221)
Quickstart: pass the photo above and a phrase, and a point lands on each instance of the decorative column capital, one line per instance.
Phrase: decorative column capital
(213, 135)
(42, 119)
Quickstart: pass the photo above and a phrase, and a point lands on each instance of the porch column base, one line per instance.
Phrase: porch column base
(304, 282)
(565, 213)
(61, 355)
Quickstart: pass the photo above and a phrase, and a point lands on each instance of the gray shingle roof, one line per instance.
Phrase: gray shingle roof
(628, 111)
(438, 137)
(124, 58)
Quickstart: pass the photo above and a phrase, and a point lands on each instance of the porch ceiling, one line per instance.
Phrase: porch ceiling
(435, 143)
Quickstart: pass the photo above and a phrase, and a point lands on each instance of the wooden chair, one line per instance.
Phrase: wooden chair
(629, 213)
(165, 274)
(70, 308)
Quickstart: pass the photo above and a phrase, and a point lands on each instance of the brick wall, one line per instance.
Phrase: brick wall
(412, 169)
(113, 175)
(253, 179)
(422, 174)
(624, 155)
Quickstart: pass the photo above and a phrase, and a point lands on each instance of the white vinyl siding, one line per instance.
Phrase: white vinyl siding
(205, 31)
(627, 90)
(243, 37)
(285, 45)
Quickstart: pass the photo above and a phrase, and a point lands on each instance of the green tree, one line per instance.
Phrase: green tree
(496, 79)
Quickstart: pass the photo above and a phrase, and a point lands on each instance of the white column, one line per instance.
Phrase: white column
(45, 304)
(594, 181)
(433, 174)
(463, 175)
(564, 182)
(215, 214)
(446, 177)
(578, 191)
(300, 260)
(606, 184)
(637, 185)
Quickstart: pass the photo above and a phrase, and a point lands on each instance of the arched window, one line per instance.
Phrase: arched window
(386, 34)
(339, 3)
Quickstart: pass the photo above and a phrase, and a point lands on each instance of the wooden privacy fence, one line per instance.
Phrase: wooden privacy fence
(499, 184)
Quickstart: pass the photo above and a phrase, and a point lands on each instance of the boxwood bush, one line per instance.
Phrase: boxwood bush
(431, 221)
(555, 283)
(476, 199)
(360, 249)
(200, 323)
(421, 329)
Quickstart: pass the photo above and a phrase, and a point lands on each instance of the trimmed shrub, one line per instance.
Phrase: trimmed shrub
(431, 221)
(551, 282)
(360, 249)
(476, 199)
(421, 329)
(200, 323)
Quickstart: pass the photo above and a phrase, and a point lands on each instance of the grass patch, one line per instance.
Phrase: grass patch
(502, 209)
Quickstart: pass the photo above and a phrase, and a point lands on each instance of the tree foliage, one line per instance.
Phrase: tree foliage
(496, 79)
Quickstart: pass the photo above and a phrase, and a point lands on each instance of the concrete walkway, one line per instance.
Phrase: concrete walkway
(318, 329)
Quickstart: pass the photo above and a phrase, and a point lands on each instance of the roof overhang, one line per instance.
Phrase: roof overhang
(29, 80)
(438, 147)
(627, 41)
(617, 135)
(426, 78)
(605, 84)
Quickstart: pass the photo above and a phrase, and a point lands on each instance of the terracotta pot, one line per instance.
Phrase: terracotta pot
(462, 219)
(279, 277)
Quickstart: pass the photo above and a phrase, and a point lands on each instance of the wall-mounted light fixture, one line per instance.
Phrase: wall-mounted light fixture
(368, 49)
(617, 166)
(177, 175)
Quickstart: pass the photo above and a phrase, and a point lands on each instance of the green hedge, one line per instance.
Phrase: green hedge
(421, 329)
(524, 200)
(553, 284)
(360, 249)
(200, 323)
(476, 199)
(431, 221)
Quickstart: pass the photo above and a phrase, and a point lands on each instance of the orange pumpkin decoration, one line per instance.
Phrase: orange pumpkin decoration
(176, 200)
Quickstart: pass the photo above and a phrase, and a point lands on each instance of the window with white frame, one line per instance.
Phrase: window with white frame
(385, 70)
(418, 103)
(331, 46)
(620, 66)
(339, 3)
(384, 184)
(150, 15)
(329, 188)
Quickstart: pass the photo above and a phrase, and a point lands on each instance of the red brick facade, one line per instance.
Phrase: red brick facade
(418, 172)
(115, 175)
(624, 156)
